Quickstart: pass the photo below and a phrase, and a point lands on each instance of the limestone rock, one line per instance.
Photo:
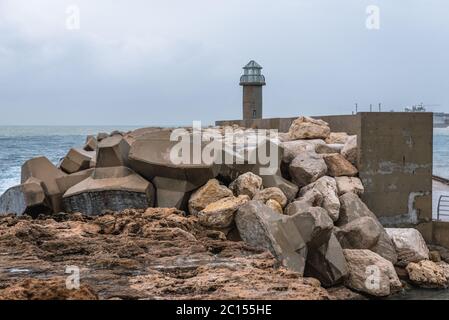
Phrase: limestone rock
(112, 152)
(328, 148)
(273, 204)
(42, 169)
(427, 274)
(349, 150)
(338, 166)
(211, 192)
(172, 193)
(289, 189)
(246, 184)
(220, 214)
(308, 128)
(349, 184)
(291, 149)
(337, 137)
(361, 233)
(327, 263)
(353, 208)
(370, 273)
(27, 198)
(109, 189)
(271, 193)
(260, 226)
(91, 144)
(328, 189)
(77, 160)
(410, 245)
(307, 168)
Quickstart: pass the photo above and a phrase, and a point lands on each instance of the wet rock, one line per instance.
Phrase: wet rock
(246, 184)
(410, 245)
(353, 208)
(211, 192)
(112, 152)
(273, 204)
(370, 273)
(220, 214)
(27, 198)
(349, 150)
(42, 169)
(260, 226)
(77, 160)
(328, 148)
(338, 166)
(109, 189)
(337, 137)
(307, 168)
(349, 184)
(308, 128)
(271, 193)
(327, 187)
(427, 274)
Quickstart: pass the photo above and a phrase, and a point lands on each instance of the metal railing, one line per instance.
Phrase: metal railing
(443, 206)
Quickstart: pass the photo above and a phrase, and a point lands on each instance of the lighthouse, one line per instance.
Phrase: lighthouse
(252, 82)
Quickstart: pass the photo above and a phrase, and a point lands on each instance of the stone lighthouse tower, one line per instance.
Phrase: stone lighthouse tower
(252, 81)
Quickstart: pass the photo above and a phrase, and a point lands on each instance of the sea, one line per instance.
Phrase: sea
(20, 143)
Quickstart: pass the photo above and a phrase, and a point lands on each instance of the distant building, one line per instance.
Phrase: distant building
(252, 81)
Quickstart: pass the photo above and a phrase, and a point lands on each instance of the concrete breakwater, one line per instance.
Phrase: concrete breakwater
(305, 220)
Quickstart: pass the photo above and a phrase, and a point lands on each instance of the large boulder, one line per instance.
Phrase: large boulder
(291, 149)
(27, 198)
(42, 169)
(211, 192)
(308, 128)
(77, 160)
(109, 189)
(327, 187)
(370, 273)
(314, 225)
(260, 226)
(311, 198)
(306, 168)
(410, 245)
(427, 274)
(112, 152)
(338, 166)
(220, 214)
(328, 148)
(349, 184)
(349, 150)
(353, 208)
(272, 193)
(337, 137)
(172, 193)
(361, 233)
(246, 184)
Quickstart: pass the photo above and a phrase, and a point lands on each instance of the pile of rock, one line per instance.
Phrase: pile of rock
(308, 213)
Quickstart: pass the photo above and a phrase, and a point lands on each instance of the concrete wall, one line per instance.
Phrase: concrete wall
(394, 160)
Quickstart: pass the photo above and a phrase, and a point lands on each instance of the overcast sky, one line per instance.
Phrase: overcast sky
(140, 62)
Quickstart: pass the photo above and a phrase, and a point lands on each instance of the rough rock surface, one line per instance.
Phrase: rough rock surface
(361, 233)
(349, 184)
(308, 128)
(327, 187)
(273, 204)
(353, 208)
(307, 168)
(261, 227)
(427, 274)
(220, 214)
(211, 192)
(328, 148)
(370, 273)
(291, 149)
(410, 245)
(138, 254)
(338, 166)
(349, 150)
(337, 137)
(273, 194)
(311, 198)
(246, 184)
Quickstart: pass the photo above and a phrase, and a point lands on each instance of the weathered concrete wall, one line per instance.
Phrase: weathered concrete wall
(394, 160)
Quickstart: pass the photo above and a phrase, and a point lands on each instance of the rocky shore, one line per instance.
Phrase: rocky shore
(139, 224)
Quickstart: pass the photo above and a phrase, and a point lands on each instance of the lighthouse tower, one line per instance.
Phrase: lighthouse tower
(252, 81)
